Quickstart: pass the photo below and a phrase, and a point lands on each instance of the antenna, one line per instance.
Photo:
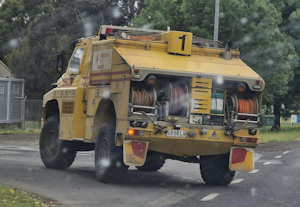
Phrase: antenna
(216, 26)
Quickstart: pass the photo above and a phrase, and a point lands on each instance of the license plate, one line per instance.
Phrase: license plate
(176, 133)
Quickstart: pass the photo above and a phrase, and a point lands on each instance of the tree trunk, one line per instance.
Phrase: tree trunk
(277, 113)
(296, 107)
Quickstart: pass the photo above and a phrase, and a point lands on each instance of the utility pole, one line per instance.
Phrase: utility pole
(216, 26)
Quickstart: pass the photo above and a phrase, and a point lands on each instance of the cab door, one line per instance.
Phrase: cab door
(72, 113)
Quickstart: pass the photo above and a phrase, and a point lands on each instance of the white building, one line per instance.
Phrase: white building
(4, 71)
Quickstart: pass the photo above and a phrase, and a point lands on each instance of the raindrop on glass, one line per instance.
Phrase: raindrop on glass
(116, 12)
(220, 80)
(13, 43)
(65, 150)
(106, 93)
(270, 62)
(253, 191)
(104, 162)
(244, 20)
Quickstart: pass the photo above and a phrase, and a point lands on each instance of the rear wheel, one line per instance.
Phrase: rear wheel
(109, 164)
(152, 165)
(55, 153)
(215, 169)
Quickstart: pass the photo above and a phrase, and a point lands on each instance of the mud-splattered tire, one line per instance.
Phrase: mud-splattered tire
(109, 165)
(55, 153)
(215, 170)
(152, 165)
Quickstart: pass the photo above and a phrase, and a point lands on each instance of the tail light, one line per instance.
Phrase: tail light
(108, 31)
(247, 139)
(132, 132)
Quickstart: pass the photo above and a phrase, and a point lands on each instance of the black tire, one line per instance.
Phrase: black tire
(152, 165)
(55, 153)
(215, 169)
(109, 165)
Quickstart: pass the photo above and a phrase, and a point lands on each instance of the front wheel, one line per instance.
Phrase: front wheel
(109, 164)
(215, 169)
(55, 153)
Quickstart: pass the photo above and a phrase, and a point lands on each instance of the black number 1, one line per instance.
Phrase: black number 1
(183, 42)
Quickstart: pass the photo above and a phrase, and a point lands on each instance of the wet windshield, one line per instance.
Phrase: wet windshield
(76, 60)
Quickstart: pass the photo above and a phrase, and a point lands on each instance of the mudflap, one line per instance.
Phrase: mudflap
(241, 159)
(135, 152)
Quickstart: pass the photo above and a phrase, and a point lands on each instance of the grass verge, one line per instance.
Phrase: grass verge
(10, 197)
(286, 134)
(30, 127)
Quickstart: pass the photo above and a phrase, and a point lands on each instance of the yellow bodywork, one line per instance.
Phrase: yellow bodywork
(202, 60)
(214, 142)
(179, 42)
(201, 95)
(104, 78)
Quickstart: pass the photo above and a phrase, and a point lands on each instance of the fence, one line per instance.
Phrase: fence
(33, 110)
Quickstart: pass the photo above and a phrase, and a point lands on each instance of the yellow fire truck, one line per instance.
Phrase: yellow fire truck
(138, 97)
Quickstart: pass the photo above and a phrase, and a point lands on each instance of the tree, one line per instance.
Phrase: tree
(291, 26)
(12, 25)
(160, 15)
(127, 10)
(294, 31)
(49, 26)
(253, 26)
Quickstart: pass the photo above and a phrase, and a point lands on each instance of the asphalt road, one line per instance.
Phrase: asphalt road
(274, 182)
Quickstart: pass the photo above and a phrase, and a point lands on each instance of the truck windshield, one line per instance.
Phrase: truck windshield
(76, 60)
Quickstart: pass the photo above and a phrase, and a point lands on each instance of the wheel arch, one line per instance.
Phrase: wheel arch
(51, 108)
(105, 112)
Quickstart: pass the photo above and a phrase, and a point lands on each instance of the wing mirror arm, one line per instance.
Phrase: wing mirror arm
(60, 62)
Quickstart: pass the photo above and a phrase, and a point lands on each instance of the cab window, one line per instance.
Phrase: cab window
(76, 60)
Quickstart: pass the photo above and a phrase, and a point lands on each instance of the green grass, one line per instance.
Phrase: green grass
(286, 134)
(10, 197)
(287, 121)
(30, 127)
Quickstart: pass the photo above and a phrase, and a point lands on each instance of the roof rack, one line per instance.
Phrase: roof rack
(202, 42)
(103, 28)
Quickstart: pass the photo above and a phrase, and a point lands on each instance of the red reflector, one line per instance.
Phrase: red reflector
(138, 149)
(108, 30)
(136, 70)
(138, 132)
(257, 82)
(253, 140)
(238, 155)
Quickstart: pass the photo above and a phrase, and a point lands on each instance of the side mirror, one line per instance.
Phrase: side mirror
(60, 62)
